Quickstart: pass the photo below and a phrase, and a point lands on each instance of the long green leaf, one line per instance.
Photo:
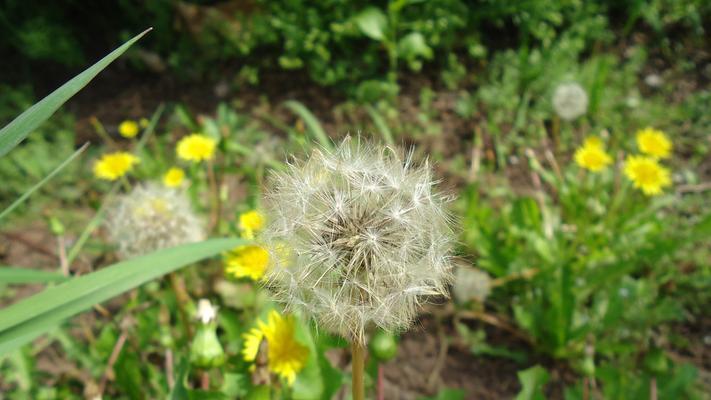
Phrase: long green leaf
(311, 122)
(31, 317)
(14, 275)
(380, 125)
(41, 183)
(34, 116)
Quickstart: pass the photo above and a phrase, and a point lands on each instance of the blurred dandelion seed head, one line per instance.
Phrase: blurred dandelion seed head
(358, 238)
(152, 217)
(570, 101)
(471, 284)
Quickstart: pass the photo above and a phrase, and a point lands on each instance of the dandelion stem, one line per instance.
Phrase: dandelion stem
(357, 368)
(215, 194)
(183, 298)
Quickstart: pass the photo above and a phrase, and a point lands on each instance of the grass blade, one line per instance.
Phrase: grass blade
(311, 122)
(14, 275)
(41, 183)
(35, 315)
(380, 125)
(28, 121)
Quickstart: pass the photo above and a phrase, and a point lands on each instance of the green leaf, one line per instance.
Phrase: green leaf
(532, 382)
(309, 382)
(311, 122)
(413, 46)
(372, 22)
(31, 317)
(28, 121)
(41, 183)
(13, 275)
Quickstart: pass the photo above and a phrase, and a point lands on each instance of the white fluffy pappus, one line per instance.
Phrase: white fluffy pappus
(358, 238)
(570, 101)
(152, 217)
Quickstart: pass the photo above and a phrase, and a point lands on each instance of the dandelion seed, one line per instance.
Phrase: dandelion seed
(570, 101)
(654, 143)
(646, 174)
(113, 166)
(196, 147)
(368, 238)
(152, 217)
(286, 356)
(128, 129)
(174, 177)
(592, 155)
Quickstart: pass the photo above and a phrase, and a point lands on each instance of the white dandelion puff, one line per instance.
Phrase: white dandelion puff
(471, 284)
(152, 217)
(358, 238)
(570, 101)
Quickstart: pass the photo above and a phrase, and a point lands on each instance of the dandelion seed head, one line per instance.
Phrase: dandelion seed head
(152, 217)
(570, 101)
(367, 238)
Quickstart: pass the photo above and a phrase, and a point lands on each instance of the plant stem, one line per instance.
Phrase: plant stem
(215, 206)
(357, 369)
(183, 298)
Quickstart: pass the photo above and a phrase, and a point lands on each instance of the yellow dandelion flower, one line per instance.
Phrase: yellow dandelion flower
(593, 141)
(128, 129)
(250, 222)
(114, 165)
(285, 356)
(646, 174)
(247, 262)
(196, 148)
(174, 177)
(654, 143)
(252, 340)
(592, 155)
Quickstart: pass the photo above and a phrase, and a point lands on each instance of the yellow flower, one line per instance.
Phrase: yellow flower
(247, 262)
(196, 147)
(654, 143)
(285, 356)
(592, 155)
(114, 165)
(143, 122)
(128, 129)
(174, 177)
(250, 222)
(593, 141)
(646, 174)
